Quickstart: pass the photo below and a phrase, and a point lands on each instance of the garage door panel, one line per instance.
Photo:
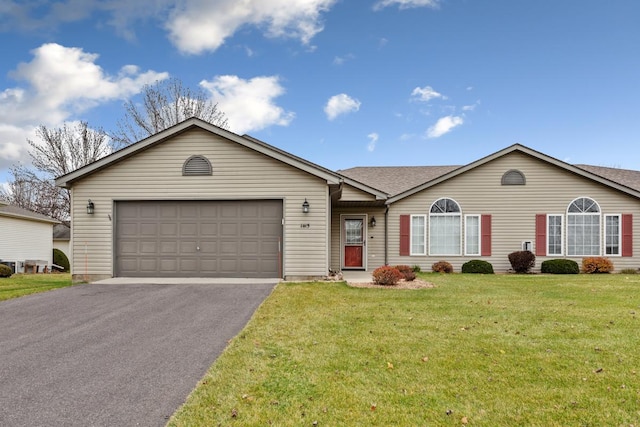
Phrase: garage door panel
(198, 238)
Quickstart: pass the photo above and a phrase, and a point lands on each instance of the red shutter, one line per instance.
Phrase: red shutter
(485, 242)
(627, 235)
(541, 234)
(405, 234)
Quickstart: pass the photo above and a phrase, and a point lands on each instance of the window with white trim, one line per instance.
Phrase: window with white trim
(418, 235)
(583, 228)
(554, 234)
(445, 228)
(612, 233)
(472, 235)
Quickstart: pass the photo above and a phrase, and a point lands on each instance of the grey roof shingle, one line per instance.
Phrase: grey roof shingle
(627, 177)
(16, 212)
(396, 179)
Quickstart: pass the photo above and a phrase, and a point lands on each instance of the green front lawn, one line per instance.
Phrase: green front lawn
(499, 350)
(25, 284)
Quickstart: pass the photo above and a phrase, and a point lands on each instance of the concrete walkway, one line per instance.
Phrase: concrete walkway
(357, 276)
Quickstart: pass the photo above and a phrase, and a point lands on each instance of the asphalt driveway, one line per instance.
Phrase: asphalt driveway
(118, 354)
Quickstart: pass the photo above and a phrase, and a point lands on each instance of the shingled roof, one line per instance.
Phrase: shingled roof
(394, 180)
(17, 212)
(627, 177)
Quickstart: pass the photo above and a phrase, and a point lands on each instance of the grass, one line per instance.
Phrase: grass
(498, 350)
(24, 284)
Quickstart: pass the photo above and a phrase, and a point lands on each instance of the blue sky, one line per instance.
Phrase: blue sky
(341, 83)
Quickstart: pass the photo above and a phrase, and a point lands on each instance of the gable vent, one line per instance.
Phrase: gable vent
(197, 165)
(513, 177)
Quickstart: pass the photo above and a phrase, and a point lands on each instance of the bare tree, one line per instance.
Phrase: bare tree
(57, 152)
(164, 104)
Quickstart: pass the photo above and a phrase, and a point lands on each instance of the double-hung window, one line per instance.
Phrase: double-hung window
(583, 228)
(445, 228)
(612, 234)
(418, 234)
(472, 235)
(554, 234)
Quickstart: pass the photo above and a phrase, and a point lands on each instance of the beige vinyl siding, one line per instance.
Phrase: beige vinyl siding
(238, 173)
(375, 236)
(549, 190)
(25, 240)
(351, 194)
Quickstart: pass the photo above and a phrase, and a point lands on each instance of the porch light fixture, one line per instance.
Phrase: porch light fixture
(90, 207)
(372, 223)
(305, 206)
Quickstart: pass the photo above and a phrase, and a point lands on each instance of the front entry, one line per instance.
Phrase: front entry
(354, 244)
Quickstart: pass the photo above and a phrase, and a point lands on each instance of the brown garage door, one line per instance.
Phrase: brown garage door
(198, 238)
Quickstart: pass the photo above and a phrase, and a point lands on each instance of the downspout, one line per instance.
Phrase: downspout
(386, 236)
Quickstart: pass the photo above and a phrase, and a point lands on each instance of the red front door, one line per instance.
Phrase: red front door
(354, 243)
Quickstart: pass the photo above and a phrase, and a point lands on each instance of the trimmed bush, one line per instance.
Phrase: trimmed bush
(5, 270)
(477, 266)
(522, 261)
(559, 266)
(628, 271)
(407, 272)
(59, 258)
(416, 269)
(442, 267)
(596, 264)
(386, 275)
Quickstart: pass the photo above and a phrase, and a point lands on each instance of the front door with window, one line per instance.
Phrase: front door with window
(354, 242)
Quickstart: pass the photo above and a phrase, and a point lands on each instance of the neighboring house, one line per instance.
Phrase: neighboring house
(26, 236)
(197, 200)
(61, 238)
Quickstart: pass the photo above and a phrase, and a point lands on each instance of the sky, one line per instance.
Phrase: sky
(341, 83)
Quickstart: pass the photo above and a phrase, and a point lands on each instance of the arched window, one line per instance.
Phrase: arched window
(445, 227)
(197, 165)
(583, 227)
(513, 177)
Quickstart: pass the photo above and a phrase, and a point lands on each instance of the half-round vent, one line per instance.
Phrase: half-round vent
(196, 165)
(513, 177)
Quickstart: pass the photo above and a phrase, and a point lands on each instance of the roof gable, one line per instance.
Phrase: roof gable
(67, 180)
(606, 176)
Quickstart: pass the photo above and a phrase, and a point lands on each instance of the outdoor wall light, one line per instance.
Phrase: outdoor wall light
(305, 206)
(90, 207)
(372, 223)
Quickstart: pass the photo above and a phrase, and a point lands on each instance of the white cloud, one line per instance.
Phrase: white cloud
(406, 4)
(194, 26)
(197, 26)
(249, 104)
(373, 139)
(340, 104)
(425, 94)
(444, 125)
(56, 84)
(339, 60)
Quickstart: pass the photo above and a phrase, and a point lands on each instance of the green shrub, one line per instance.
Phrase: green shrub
(386, 275)
(407, 272)
(442, 267)
(59, 258)
(477, 266)
(596, 264)
(628, 271)
(522, 261)
(559, 266)
(5, 270)
(416, 269)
